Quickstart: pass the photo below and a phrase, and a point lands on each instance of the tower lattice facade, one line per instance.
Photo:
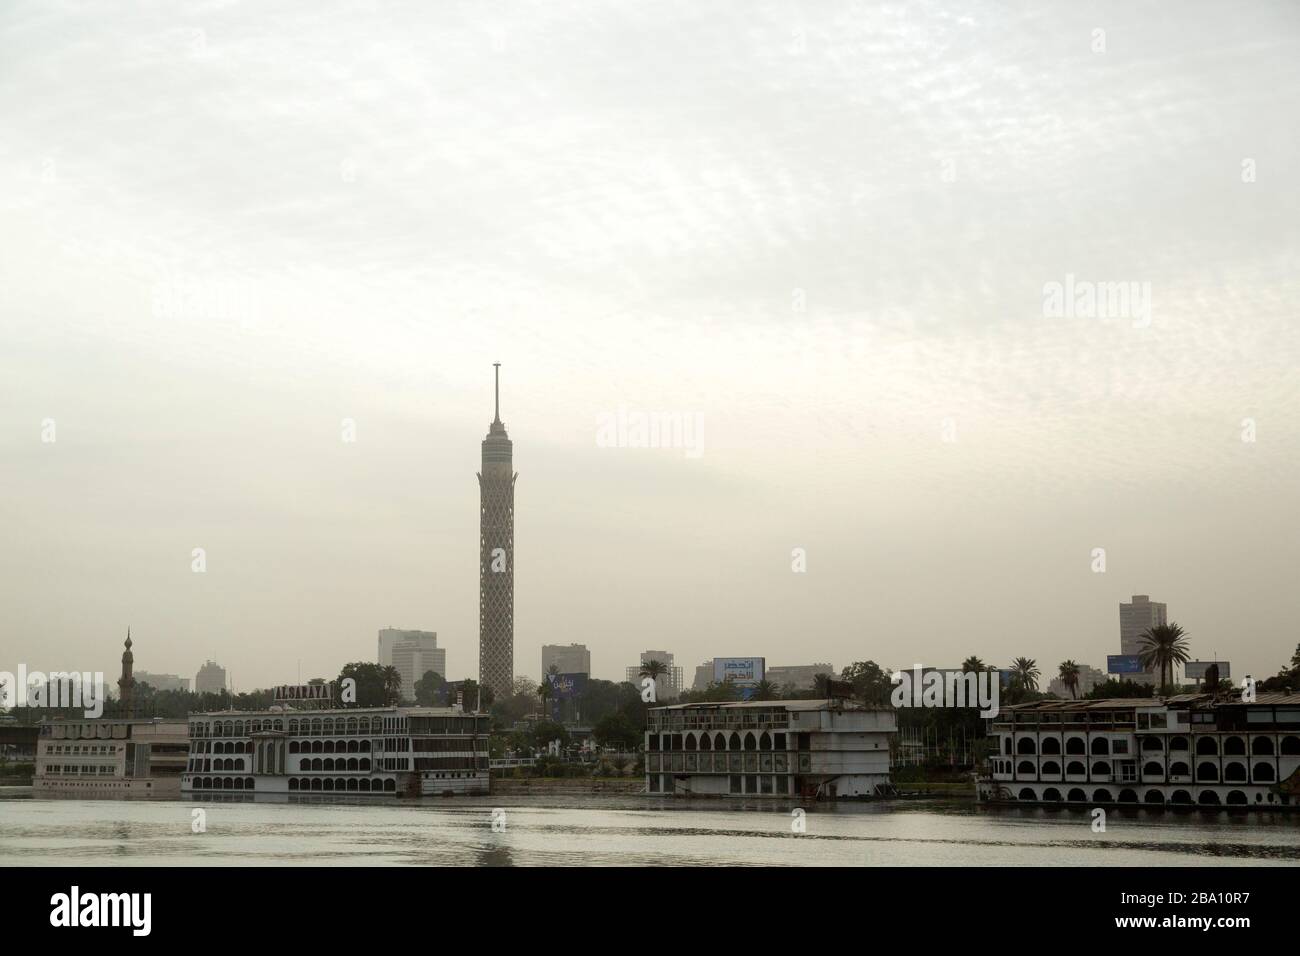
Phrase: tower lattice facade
(496, 558)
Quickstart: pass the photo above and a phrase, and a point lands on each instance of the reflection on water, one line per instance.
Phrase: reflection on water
(624, 830)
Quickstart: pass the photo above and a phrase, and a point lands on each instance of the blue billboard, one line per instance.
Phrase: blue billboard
(745, 671)
(1123, 664)
(567, 686)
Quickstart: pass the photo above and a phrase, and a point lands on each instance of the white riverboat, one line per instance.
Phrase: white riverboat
(411, 751)
(1191, 750)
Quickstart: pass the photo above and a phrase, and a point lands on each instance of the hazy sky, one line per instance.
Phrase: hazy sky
(823, 228)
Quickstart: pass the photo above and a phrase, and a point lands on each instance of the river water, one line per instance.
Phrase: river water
(547, 829)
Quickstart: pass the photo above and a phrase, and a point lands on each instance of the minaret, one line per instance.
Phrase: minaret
(496, 557)
(126, 683)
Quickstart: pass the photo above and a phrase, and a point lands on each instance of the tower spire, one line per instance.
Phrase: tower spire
(496, 366)
(126, 683)
(496, 588)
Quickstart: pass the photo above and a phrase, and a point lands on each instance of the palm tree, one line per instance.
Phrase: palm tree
(1024, 671)
(973, 664)
(654, 670)
(1163, 646)
(1069, 674)
(764, 690)
(392, 684)
(544, 691)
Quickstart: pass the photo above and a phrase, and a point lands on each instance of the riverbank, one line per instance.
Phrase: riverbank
(567, 785)
(938, 789)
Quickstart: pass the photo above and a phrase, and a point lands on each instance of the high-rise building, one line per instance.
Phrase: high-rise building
(703, 676)
(413, 653)
(162, 682)
(802, 676)
(571, 659)
(1134, 619)
(668, 684)
(496, 556)
(1090, 678)
(211, 679)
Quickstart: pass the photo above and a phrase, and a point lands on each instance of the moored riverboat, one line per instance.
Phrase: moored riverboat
(1205, 750)
(392, 751)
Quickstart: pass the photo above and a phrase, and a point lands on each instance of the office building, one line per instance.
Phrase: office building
(800, 676)
(703, 676)
(1090, 678)
(1135, 619)
(211, 679)
(567, 659)
(668, 684)
(162, 682)
(413, 653)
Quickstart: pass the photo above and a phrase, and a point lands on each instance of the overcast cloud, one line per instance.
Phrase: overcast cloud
(824, 228)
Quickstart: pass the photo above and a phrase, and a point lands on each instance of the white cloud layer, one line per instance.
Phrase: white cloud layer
(826, 228)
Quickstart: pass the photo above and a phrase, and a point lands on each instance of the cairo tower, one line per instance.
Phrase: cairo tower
(496, 558)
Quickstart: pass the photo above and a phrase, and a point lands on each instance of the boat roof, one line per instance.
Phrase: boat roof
(823, 703)
(1178, 700)
(340, 712)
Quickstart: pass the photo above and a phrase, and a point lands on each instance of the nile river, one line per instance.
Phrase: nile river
(623, 830)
